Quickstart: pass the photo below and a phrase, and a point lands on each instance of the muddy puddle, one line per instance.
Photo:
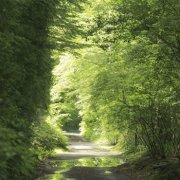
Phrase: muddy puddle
(82, 168)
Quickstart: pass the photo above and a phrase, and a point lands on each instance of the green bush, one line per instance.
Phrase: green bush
(15, 156)
(19, 159)
(47, 137)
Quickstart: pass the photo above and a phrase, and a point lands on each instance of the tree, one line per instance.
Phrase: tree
(131, 91)
(27, 38)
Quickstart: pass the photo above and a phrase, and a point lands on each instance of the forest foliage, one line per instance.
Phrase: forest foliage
(29, 32)
(116, 73)
(127, 83)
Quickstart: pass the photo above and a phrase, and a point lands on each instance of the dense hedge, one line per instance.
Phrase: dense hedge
(26, 43)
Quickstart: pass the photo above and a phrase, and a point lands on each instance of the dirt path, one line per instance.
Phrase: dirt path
(84, 161)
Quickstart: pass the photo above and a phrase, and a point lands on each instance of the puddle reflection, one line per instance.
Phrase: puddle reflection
(89, 162)
(65, 165)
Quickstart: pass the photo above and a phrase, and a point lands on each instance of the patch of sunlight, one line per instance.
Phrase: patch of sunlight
(75, 134)
(59, 151)
(82, 147)
(107, 172)
(57, 175)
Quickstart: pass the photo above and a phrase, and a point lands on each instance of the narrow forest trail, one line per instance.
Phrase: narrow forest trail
(83, 161)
